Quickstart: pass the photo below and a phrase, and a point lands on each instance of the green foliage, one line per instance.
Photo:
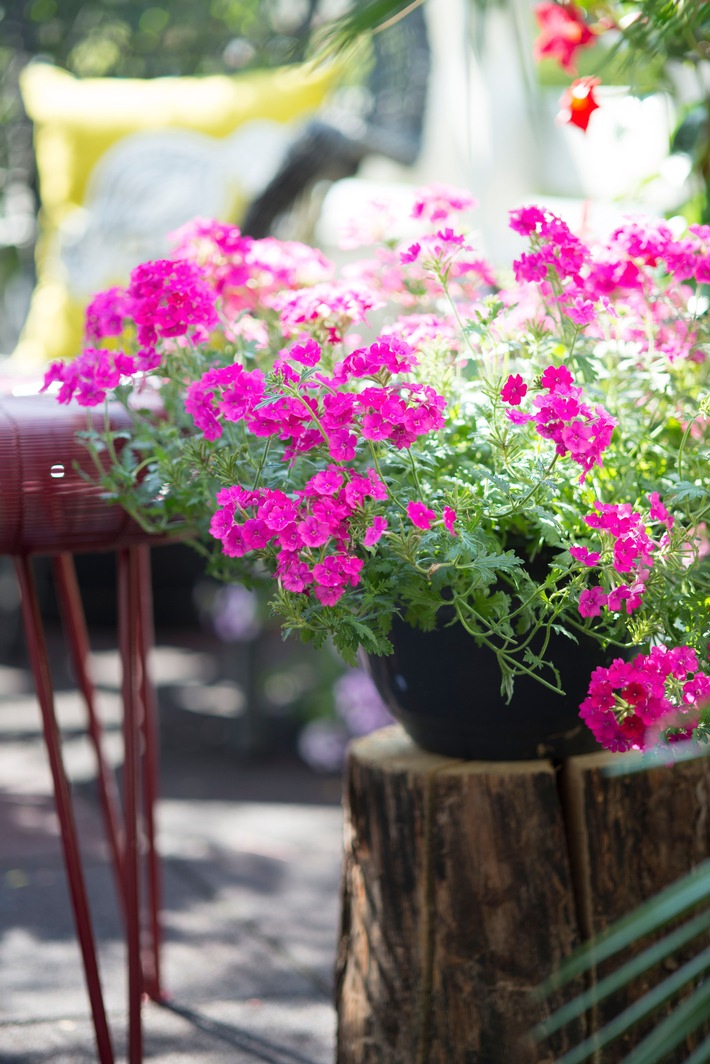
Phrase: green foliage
(106, 38)
(675, 921)
(116, 38)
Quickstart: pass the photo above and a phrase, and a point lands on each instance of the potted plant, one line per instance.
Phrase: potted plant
(415, 445)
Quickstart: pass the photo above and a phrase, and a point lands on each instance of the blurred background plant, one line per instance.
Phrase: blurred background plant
(116, 38)
(648, 46)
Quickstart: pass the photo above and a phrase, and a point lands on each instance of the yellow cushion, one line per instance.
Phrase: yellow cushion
(123, 162)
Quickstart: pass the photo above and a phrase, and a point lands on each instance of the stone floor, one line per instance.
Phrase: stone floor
(251, 868)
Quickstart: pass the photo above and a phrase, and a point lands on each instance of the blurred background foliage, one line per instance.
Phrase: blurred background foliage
(125, 38)
(647, 45)
(119, 38)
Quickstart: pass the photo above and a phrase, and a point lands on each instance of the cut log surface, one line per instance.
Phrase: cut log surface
(466, 883)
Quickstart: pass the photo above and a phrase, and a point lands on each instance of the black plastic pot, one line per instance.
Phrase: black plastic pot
(445, 691)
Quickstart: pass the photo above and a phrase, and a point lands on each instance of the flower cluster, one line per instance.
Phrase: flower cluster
(530, 456)
(166, 300)
(563, 417)
(616, 279)
(630, 551)
(310, 412)
(631, 703)
(310, 534)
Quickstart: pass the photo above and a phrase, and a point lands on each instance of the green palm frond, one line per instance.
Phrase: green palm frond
(372, 16)
(687, 900)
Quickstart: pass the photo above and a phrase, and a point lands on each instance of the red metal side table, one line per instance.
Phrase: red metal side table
(47, 507)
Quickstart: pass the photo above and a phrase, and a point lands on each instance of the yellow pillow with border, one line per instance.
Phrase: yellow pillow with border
(123, 162)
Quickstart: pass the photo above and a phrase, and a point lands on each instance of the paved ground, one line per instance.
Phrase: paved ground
(251, 862)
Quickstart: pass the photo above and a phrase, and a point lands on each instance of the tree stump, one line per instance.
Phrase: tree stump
(466, 883)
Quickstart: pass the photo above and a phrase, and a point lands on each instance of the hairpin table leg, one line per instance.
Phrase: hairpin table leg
(74, 621)
(37, 650)
(129, 644)
(151, 966)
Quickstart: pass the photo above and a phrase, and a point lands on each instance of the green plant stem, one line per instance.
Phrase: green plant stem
(376, 463)
(415, 473)
(517, 667)
(262, 463)
(518, 504)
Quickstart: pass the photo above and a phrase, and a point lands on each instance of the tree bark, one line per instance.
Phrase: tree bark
(466, 883)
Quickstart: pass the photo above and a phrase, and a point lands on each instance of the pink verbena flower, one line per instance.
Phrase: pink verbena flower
(278, 511)
(88, 378)
(327, 482)
(218, 248)
(331, 307)
(230, 392)
(107, 313)
(554, 247)
(436, 202)
(631, 542)
(375, 531)
(556, 378)
(306, 536)
(420, 515)
(585, 556)
(658, 510)
(527, 220)
(386, 353)
(630, 595)
(573, 426)
(579, 309)
(647, 240)
(530, 267)
(411, 254)
(449, 518)
(514, 390)
(591, 601)
(633, 704)
(307, 353)
(314, 531)
(170, 298)
(245, 272)
(293, 573)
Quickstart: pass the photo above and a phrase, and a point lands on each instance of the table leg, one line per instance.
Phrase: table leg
(39, 661)
(74, 622)
(129, 645)
(149, 751)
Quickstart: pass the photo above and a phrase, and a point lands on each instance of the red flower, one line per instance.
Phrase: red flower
(578, 102)
(563, 32)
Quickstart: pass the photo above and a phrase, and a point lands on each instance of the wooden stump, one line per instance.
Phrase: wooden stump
(466, 883)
